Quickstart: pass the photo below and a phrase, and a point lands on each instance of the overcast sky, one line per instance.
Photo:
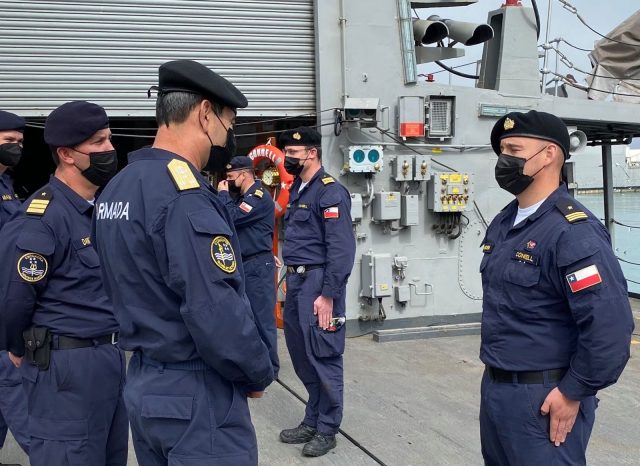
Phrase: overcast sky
(603, 16)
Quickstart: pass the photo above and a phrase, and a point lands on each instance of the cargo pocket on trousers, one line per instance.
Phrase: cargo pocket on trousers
(55, 441)
(167, 417)
(326, 344)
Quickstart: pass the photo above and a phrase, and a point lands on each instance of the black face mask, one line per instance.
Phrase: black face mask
(510, 175)
(10, 154)
(102, 167)
(220, 156)
(292, 165)
(233, 189)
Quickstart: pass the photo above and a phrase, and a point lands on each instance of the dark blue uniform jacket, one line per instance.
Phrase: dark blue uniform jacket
(171, 264)
(253, 215)
(50, 272)
(555, 296)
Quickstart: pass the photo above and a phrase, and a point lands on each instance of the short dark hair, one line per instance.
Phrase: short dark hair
(174, 107)
(318, 149)
(54, 155)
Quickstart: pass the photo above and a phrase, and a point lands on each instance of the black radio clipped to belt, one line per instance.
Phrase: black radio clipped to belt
(37, 341)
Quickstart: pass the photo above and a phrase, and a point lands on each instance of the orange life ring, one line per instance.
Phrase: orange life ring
(275, 155)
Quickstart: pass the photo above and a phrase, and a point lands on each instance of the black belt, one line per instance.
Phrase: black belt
(60, 342)
(525, 377)
(300, 269)
(253, 256)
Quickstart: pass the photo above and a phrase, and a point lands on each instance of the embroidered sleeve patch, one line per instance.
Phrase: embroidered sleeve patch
(223, 255)
(32, 267)
(332, 212)
(584, 278)
(245, 207)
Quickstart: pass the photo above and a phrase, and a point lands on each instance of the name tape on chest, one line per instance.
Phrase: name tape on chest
(9, 197)
(584, 278)
(525, 256)
(487, 247)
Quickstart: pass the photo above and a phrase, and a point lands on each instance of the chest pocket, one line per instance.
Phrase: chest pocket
(522, 274)
(87, 255)
(301, 215)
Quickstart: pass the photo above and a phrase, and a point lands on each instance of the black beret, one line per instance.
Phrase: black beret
(241, 162)
(73, 123)
(533, 124)
(301, 136)
(191, 76)
(11, 122)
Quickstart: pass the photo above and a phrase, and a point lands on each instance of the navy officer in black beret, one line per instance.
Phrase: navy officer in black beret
(13, 402)
(319, 251)
(59, 322)
(556, 320)
(253, 212)
(172, 262)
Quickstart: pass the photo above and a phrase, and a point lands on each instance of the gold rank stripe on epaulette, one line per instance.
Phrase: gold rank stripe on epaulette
(570, 211)
(328, 180)
(39, 204)
(576, 216)
(182, 175)
(258, 193)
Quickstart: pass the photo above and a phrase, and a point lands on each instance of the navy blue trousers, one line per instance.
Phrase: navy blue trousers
(316, 355)
(260, 286)
(513, 432)
(186, 414)
(13, 403)
(76, 411)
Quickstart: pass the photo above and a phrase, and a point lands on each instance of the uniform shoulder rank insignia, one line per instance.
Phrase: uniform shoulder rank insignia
(32, 267)
(182, 175)
(328, 180)
(570, 211)
(258, 193)
(39, 204)
(222, 254)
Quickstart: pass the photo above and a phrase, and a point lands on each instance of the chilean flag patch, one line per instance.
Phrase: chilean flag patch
(584, 278)
(245, 207)
(332, 212)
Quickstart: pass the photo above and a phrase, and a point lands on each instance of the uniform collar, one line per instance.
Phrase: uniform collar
(252, 188)
(77, 201)
(546, 205)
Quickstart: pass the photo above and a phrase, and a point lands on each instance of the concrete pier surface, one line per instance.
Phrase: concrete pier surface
(416, 403)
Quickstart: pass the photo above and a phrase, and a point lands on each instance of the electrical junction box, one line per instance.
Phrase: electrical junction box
(411, 116)
(450, 192)
(386, 206)
(365, 159)
(403, 168)
(421, 168)
(409, 212)
(402, 293)
(356, 207)
(376, 275)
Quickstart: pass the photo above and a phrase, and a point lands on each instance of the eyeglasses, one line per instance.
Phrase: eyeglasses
(288, 152)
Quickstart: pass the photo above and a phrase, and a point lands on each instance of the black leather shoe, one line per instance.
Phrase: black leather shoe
(301, 434)
(319, 445)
